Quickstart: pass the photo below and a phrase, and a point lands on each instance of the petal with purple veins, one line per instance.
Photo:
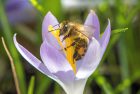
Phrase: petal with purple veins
(90, 60)
(92, 20)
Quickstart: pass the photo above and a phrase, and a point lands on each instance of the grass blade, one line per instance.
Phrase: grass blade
(31, 85)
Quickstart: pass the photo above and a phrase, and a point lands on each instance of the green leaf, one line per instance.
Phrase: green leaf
(43, 83)
(123, 85)
(119, 30)
(124, 67)
(31, 85)
(104, 84)
(57, 89)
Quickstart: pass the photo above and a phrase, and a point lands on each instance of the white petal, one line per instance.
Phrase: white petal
(76, 87)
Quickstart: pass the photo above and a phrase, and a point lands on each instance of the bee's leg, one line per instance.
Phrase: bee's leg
(65, 37)
(75, 55)
(74, 43)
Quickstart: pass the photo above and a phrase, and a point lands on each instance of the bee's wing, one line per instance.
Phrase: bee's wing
(88, 31)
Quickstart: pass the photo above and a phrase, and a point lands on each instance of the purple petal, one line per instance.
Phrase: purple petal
(64, 78)
(90, 61)
(105, 38)
(53, 59)
(31, 58)
(20, 8)
(50, 20)
(35, 62)
(92, 20)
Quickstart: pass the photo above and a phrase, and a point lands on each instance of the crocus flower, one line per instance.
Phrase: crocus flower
(56, 65)
(17, 11)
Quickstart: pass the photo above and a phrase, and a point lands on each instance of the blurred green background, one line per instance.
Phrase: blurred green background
(119, 70)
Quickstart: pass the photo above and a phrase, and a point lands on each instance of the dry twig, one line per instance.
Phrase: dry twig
(12, 65)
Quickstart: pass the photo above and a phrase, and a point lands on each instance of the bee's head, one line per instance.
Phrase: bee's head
(63, 28)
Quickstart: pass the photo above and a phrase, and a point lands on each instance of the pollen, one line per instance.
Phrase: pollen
(69, 52)
(81, 51)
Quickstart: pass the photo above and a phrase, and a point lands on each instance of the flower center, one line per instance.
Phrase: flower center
(68, 52)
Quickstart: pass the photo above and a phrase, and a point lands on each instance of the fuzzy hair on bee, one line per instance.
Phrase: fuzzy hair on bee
(80, 36)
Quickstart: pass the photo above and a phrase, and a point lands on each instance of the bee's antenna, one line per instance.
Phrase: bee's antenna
(57, 25)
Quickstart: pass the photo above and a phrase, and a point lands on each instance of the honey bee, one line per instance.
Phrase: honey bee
(80, 35)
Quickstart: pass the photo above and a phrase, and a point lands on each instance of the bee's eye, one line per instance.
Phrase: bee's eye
(65, 27)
